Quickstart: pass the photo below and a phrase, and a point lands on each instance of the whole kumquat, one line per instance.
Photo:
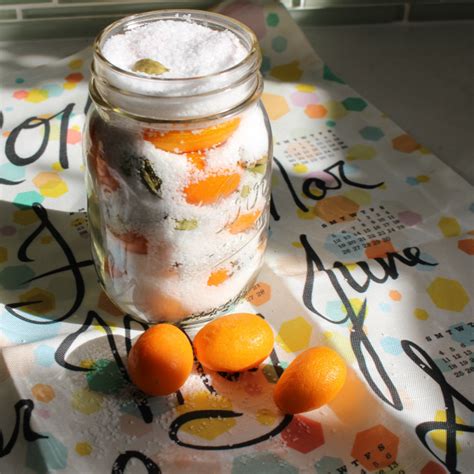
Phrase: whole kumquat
(234, 343)
(313, 379)
(161, 360)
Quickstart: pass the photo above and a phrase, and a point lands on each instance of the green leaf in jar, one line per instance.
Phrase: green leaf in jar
(258, 166)
(149, 66)
(245, 191)
(186, 224)
(149, 177)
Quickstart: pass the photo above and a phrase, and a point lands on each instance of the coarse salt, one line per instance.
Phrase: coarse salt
(213, 65)
(185, 48)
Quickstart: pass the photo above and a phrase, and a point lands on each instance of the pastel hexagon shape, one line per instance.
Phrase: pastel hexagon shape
(315, 111)
(360, 152)
(375, 448)
(273, 19)
(266, 417)
(409, 218)
(83, 448)
(439, 437)
(448, 294)
(262, 463)
(206, 428)
(335, 209)
(46, 454)
(12, 172)
(15, 277)
(354, 104)
(25, 217)
(43, 392)
(37, 95)
(379, 249)
(28, 198)
(44, 355)
(105, 377)
(371, 133)
(391, 345)
(290, 72)
(302, 99)
(329, 464)
(275, 105)
(405, 144)
(50, 184)
(421, 314)
(294, 335)
(40, 302)
(466, 246)
(328, 75)
(305, 87)
(335, 110)
(85, 401)
(449, 226)
(303, 434)
(432, 467)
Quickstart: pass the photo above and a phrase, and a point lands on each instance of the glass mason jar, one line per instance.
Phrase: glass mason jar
(178, 180)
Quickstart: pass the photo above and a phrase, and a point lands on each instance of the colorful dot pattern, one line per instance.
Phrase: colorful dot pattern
(365, 195)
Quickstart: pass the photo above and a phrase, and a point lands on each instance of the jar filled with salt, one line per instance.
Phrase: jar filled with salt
(178, 158)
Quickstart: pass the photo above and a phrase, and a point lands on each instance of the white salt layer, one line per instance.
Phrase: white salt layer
(185, 48)
(215, 67)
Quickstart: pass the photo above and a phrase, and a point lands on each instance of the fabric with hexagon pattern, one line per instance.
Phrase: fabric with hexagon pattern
(371, 253)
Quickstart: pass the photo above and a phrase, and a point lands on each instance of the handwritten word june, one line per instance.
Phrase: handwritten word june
(363, 348)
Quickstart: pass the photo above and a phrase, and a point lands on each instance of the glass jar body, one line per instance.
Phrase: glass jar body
(178, 211)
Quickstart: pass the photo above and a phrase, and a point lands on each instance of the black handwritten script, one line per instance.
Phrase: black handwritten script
(316, 189)
(363, 348)
(219, 414)
(122, 460)
(73, 267)
(93, 318)
(45, 125)
(26, 407)
(450, 426)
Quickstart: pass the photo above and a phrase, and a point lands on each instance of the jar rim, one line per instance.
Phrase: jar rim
(253, 47)
(151, 122)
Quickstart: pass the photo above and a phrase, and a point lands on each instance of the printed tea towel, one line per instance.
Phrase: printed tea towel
(371, 253)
